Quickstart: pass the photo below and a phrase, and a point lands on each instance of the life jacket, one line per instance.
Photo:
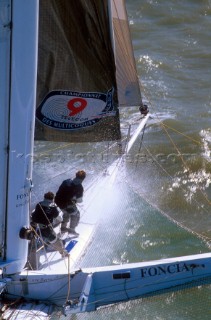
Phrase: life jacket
(45, 214)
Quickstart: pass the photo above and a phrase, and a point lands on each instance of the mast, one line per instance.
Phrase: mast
(17, 98)
(5, 33)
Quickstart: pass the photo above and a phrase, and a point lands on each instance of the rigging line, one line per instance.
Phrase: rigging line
(183, 161)
(39, 237)
(205, 239)
(12, 313)
(136, 133)
(45, 244)
(50, 225)
(173, 129)
(175, 146)
(19, 302)
(53, 149)
(62, 173)
(59, 174)
(182, 189)
(39, 155)
(42, 241)
(178, 151)
(129, 142)
(107, 152)
(115, 144)
(165, 214)
(32, 313)
(169, 173)
(182, 134)
(125, 289)
(141, 142)
(111, 171)
(56, 292)
(69, 277)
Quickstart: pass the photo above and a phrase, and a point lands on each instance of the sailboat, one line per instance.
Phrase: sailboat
(76, 100)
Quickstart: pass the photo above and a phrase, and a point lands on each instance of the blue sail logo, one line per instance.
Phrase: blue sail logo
(70, 110)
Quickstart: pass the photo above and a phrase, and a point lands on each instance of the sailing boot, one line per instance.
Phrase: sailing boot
(64, 229)
(72, 231)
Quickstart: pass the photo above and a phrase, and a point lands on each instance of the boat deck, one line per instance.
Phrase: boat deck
(51, 260)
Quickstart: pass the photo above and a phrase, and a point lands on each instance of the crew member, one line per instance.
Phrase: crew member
(47, 215)
(144, 109)
(69, 193)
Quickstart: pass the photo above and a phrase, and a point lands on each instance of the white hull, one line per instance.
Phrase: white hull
(89, 289)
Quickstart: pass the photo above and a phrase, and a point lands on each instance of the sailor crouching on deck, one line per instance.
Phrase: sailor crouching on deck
(69, 193)
(47, 215)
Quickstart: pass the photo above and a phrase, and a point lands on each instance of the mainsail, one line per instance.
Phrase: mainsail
(77, 96)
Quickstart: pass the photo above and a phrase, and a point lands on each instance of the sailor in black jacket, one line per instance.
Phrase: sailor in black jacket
(46, 215)
(69, 193)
